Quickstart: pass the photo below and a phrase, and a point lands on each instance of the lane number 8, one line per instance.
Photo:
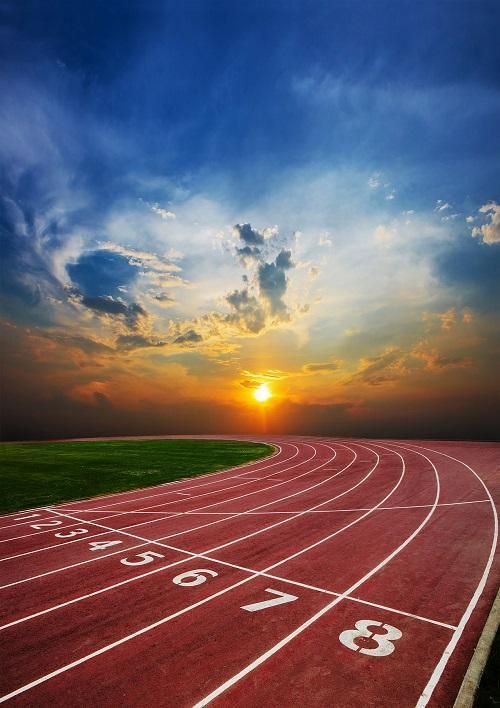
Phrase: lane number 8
(384, 644)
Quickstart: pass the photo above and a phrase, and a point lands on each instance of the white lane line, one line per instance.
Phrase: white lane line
(277, 447)
(106, 507)
(289, 511)
(52, 529)
(143, 630)
(286, 640)
(149, 522)
(441, 665)
(152, 542)
(73, 565)
(277, 453)
(153, 521)
(26, 523)
(297, 583)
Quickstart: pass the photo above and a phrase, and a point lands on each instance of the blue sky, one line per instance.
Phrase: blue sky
(358, 140)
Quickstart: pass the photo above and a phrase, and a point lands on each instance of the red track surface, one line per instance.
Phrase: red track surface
(376, 559)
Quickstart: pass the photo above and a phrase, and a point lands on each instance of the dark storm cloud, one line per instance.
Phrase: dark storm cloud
(249, 236)
(273, 283)
(101, 273)
(188, 337)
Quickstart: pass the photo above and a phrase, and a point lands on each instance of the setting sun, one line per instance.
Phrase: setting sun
(262, 393)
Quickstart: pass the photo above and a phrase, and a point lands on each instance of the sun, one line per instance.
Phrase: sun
(262, 393)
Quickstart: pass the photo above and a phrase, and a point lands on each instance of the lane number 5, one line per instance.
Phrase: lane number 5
(383, 639)
(147, 557)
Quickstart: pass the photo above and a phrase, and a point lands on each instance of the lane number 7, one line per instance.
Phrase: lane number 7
(282, 598)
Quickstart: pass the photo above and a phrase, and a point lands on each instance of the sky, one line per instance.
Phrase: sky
(201, 197)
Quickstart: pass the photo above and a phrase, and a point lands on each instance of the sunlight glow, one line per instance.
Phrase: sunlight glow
(262, 393)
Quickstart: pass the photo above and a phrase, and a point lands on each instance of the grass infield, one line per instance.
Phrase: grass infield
(37, 474)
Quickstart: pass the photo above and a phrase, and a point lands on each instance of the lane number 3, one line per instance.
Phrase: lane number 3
(383, 639)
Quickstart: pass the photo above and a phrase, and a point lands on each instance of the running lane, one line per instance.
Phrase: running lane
(350, 581)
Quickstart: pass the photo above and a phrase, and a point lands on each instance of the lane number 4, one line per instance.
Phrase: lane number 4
(383, 639)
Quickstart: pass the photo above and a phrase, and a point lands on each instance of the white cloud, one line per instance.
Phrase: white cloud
(489, 232)
(375, 181)
(384, 234)
(164, 213)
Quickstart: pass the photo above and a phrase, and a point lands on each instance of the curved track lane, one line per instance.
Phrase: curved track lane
(334, 572)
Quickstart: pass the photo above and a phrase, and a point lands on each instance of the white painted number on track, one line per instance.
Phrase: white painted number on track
(147, 557)
(282, 598)
(54, 522)
(384, 644)
(70, 534)
(198, 577)
(25, 518)
(102, 545)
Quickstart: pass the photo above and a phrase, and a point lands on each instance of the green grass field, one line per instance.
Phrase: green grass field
(37, 474)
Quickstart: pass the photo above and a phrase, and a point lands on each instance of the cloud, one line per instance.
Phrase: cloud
(137, 341)
(164, 300)
(384, 234)
(249, 236)
(375, 181)
(381, 369)
(273, 282)
(85, 344)
(248, 252)
(107, 305)
(319, 367)
(248, 314)
(489, 232)
(448, 318)
(164, 213)
(442, 206)
(188, 337)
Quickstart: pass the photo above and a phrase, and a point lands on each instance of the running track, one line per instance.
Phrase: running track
(336, 573)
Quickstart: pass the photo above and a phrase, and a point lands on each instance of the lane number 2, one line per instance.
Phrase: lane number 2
(53, 522)
(282, 598)
(383, 639)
